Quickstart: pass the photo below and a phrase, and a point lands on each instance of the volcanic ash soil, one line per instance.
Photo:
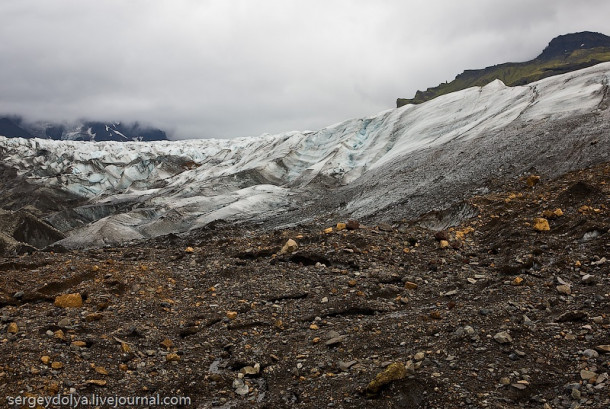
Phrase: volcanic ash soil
(509, 309)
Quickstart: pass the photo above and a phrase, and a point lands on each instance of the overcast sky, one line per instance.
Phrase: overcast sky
(227, 68)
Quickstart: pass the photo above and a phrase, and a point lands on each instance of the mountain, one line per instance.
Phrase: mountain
(565, 53)
(396, 165)
(15, 127)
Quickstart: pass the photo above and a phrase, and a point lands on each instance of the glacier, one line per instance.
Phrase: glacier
(396, 164)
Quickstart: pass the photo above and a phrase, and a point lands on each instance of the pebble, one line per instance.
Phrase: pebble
(419, 356)
(590, 353)
(64, 322)
(564, 289)
(289, 247)
(251, 370)
(503, 337)
(409, 285)
(12, 328)
(586, 375)
(344, 366)
(335, 340)
(588, 279)
(240, 387)
(172, 357)
(603, 348)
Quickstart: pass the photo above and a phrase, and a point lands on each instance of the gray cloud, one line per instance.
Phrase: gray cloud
(231, 68)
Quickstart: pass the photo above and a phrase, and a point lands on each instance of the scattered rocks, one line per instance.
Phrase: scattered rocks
(235, 328)
(240, 387)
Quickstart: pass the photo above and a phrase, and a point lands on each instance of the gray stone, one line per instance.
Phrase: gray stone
(503, 337)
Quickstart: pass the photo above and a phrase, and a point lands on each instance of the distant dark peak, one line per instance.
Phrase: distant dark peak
(17, 127)
(564, 45)
(10, 126)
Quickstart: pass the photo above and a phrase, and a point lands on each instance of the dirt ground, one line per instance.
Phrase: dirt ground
(497, 312)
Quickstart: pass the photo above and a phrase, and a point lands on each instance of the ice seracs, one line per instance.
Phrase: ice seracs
(399, 160)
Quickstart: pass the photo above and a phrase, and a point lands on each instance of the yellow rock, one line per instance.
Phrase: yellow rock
(125, 347)
(123, 367)
(541, 224)
(79, 344)
(167, 343)
(552, 214)
(45, 359)
(12, 328)
(328, 230)
(231, 315)
(53, 388)
(289, 247)
(393, 372)
(59, 334)
(101, 370)
(57, 365)
(96, 382)
(532, 180)
(341, 226)
(410, 285)
(443, 244)
(314, 327)
(73, 300)
(94, 316)
(189, 250)
(517, 281)
(172, 357)
(316, 340)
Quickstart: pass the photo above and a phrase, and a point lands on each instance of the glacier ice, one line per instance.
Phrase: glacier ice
(385, 164)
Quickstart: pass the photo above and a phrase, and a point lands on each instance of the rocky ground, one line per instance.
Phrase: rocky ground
(509, 309)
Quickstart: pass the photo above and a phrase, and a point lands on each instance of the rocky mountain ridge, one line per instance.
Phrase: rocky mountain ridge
(564, 54)
(17, 127)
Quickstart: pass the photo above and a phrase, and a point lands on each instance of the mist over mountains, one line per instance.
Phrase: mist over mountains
(18, 127)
